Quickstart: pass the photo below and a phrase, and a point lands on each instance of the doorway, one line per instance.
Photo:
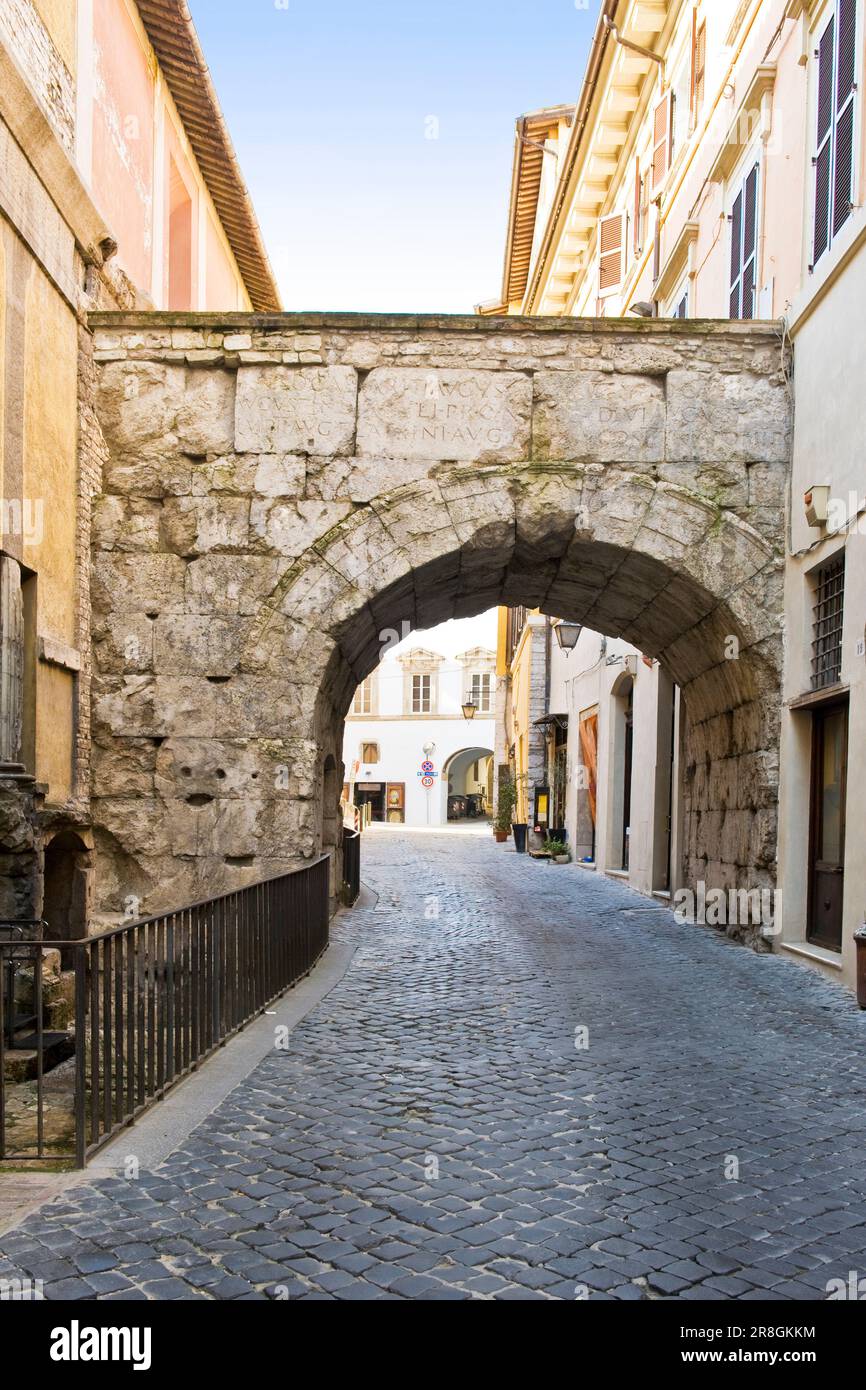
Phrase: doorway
(371, 794)
(827, 831)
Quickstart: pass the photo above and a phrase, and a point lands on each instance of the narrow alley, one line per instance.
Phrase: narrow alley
(530, 1083)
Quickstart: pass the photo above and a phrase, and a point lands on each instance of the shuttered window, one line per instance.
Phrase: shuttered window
(662, 140)
(612, 252)
(637, 228)
(835, 135)
(699, 70)
(744, 249)
(682, 309)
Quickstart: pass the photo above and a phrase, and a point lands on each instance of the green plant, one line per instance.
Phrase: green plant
(554, 847)
(506, 800)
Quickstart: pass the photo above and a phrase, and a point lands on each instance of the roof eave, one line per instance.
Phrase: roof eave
(171, 31)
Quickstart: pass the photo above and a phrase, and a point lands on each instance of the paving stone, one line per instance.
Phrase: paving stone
(558, 1170)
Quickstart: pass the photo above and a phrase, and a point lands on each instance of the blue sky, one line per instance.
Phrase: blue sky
(328, 104)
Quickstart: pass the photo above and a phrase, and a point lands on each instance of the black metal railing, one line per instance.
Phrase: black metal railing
(352, 864)
(152, 1000)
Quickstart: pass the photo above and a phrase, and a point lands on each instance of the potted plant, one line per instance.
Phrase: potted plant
(520, 828)
(506, 801)
(557, 850)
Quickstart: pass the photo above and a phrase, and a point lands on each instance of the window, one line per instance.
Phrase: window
(612, 252)
(369, 753)
(699, 66)
(481, 692)
(421, 701)
(744, 248)
(637, 216)
(663, 125)
(834, 151)
(827, 619)
(679, 303)
(363, 701)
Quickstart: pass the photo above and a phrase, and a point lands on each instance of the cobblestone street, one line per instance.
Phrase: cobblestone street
(436, 1130)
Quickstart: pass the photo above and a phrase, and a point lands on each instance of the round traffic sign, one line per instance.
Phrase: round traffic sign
(426, 781)
(427, 768)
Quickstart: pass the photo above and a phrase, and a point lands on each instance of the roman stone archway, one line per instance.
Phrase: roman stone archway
(282, 494)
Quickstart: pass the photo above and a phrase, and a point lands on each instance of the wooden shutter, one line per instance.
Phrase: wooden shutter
(700, 68)
(588, 730)
(824, 149)
(744, 249)
(638, 196)
(843, 157)
(612, 247)
(750, 244)
(662, 140)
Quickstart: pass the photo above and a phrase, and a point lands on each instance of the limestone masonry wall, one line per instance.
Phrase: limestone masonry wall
(280, 490)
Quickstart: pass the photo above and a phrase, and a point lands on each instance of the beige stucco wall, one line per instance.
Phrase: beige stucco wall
(830, 362)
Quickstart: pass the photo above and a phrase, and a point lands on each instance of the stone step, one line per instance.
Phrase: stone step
(20, 1062)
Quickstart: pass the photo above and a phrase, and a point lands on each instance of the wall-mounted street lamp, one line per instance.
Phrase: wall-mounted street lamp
(568, 635)
(470, 709)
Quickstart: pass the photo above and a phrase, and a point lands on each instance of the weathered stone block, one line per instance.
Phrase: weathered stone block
(207, 646)
(471, 416)
(137, 583)
(598, 417)
(731, 417)
(230, 584)
(304, 410)
(290, 528)
(195, 525)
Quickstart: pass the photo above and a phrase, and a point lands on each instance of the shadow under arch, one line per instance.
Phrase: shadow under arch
(684, 580)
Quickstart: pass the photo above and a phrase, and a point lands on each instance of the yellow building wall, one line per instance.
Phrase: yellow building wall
(521, 683)
(60, 18)
(50, 489)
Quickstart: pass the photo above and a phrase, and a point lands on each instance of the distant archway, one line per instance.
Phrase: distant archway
(468, 773)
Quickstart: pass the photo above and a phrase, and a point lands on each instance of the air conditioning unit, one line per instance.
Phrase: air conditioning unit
(816, 501)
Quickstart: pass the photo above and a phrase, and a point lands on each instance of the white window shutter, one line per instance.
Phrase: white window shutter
(611, 239)
(663, 124)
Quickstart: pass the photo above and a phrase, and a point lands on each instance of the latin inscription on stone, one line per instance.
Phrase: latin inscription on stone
(605, 417)
(295, 410)
(468, 416)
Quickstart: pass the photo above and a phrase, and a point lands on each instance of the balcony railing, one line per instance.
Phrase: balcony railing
(152, 1000)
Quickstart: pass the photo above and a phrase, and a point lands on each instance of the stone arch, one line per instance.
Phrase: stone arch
(278, 501)
(686, 582)
(471, 752)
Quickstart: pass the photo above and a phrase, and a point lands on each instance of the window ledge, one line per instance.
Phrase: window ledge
(828, 694)
(818, 282)
(741, 132)
(819, 954)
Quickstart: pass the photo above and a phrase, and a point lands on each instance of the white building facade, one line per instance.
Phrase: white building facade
(409, 747)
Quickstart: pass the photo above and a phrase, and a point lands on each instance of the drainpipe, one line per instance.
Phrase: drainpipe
(634, 47)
